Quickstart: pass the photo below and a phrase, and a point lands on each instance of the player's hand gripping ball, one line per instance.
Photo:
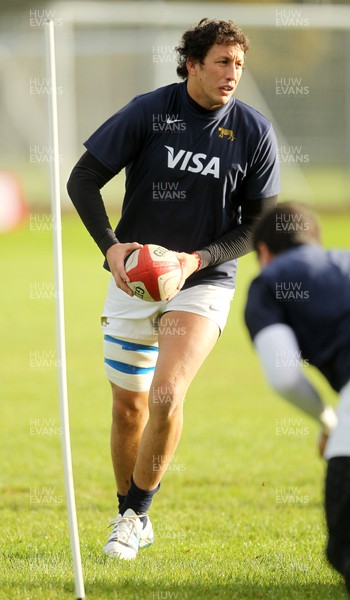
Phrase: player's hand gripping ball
(154, 272)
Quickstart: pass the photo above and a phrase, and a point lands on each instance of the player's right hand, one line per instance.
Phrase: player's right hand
(116, 256)
(189, 264)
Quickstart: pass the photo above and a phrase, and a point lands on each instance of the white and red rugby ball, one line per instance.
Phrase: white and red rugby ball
(154, 272)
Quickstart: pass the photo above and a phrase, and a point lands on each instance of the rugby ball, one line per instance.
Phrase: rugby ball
(154, 272)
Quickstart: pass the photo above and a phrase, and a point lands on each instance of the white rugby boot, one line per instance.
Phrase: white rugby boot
(128, 535)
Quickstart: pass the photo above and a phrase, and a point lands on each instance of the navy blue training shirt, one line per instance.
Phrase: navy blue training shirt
(308, 289)
(188, 170)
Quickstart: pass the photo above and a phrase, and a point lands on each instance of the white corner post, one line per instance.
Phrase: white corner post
(59, 300)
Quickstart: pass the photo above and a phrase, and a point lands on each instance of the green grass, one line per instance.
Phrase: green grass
(239, 514)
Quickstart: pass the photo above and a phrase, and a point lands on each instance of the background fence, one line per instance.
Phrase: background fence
(298, 75)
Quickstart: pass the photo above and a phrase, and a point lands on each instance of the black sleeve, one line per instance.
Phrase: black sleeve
(238, 241)
(84, 184)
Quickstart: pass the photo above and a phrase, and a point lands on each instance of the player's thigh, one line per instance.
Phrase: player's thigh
(188, 330)
(185, 340)
(129, 366)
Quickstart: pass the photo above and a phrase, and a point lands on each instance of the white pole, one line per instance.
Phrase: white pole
(60, 330)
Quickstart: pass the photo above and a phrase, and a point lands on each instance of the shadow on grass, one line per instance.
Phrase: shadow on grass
(99, 590)
(231, 591)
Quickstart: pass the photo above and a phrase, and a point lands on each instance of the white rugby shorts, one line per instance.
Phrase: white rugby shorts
(130, 328)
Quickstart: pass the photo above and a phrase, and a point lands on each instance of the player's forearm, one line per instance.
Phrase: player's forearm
(84, 190)
(238, 241)
(233, 244)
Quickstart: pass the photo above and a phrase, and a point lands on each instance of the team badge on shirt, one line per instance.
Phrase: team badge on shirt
(226, 132)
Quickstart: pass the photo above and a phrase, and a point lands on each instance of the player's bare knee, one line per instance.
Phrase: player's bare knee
(128, 407)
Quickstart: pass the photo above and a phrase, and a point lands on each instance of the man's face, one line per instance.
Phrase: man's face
(212, 83)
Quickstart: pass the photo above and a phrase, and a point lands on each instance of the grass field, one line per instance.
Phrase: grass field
(239, 515)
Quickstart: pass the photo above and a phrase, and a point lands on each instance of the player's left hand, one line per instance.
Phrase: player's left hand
(189, 264)
(329, 419)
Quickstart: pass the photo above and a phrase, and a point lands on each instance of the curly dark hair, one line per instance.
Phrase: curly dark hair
(197, 41)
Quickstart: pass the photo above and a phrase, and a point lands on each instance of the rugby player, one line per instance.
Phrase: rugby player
(299, 308)
(201, 167)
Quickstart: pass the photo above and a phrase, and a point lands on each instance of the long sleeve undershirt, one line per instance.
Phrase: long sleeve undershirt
(286, 377)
